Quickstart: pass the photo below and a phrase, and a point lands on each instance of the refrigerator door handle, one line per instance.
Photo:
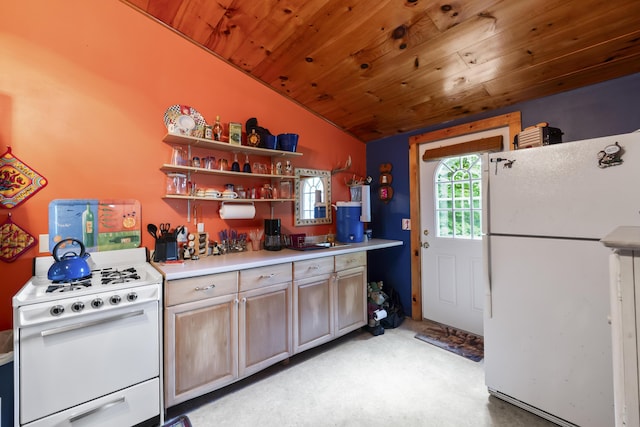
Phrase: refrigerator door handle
(486, 254)
(486, 268)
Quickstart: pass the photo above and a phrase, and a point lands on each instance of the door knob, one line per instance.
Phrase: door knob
(425, 245)
(425, 232)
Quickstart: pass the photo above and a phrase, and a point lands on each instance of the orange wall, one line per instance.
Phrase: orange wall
(83, 89)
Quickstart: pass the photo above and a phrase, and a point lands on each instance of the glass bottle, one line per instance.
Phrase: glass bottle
(235, 166)
(217, 129)
(253, 139)
(88, 235)
(247, 167)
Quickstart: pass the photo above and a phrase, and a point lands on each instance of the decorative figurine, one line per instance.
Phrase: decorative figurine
(217, 129)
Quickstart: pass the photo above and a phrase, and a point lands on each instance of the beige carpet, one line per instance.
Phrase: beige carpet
(362, 380)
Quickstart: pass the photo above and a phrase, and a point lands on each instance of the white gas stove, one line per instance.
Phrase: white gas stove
(91, 348)
(112, 271)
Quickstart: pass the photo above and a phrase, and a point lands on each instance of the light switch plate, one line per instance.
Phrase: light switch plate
(406, 224)
(43, 242)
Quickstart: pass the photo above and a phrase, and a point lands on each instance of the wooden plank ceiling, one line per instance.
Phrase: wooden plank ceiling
(376, 68)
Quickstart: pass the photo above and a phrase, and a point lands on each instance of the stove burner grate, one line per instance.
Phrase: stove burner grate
(113, 276)
(66, 286)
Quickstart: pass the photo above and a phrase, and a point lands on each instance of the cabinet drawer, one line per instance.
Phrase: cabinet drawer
(201, 287)
(355, 259)
(312, 267)
(263, 276)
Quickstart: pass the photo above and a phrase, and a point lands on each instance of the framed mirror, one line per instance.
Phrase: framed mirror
(313, 197)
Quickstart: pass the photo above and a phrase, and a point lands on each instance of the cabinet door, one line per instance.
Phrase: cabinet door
(351, 304)
(313, 312)
(264, 327)
(201, 342)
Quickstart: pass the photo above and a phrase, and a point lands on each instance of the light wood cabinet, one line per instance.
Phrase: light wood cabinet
(201, 336)
(329, 298)
(351, 292)
(313, 303)
(222, 327)
(264, 317)
(264, 327)
(351, 300)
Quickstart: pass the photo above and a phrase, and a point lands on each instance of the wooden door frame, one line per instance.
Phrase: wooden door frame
(512, 120)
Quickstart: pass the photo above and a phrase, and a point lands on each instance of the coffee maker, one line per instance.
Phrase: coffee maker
(272, 235)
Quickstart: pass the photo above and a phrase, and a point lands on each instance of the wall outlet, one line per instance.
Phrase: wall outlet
(406, 224)
(43, 241)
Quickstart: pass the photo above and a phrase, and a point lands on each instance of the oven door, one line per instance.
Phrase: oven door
(67, 362)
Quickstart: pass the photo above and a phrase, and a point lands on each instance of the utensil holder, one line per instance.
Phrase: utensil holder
(166, 249)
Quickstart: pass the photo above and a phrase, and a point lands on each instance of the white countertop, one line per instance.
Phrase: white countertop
(250, 259)
(624, 237)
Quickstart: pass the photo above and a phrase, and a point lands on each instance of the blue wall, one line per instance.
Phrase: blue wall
(608, 108)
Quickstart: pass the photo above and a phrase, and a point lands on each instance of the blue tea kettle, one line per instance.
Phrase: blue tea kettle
(70, 266)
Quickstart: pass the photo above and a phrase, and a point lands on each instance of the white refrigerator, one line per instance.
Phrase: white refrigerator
(547, 334)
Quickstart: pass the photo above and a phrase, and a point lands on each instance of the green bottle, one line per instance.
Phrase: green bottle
(88, 229)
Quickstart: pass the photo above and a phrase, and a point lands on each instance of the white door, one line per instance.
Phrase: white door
(451, 258)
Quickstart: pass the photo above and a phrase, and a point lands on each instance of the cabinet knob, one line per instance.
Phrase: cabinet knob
(206, 288)
(244, 300)
(268, 276)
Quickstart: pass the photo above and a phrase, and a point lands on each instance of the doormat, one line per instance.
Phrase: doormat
(181, 421)
(462, 343)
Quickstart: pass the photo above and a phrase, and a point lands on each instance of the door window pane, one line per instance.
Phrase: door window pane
(458, 193)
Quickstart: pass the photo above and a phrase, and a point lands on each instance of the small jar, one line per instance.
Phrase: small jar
(242, 194)
(285, 190)
(265, 192)
(209, 162)
(176, 183)
(178, 156)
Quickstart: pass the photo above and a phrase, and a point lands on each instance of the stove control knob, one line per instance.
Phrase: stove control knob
(56, 310)
(115, 299)
(97, 303)
(77, 306)
(132, 296)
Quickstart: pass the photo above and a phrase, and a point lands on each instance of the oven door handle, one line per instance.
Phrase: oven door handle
(94, 410)
(62, 329)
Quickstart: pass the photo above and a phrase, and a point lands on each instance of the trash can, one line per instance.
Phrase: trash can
(6, 378)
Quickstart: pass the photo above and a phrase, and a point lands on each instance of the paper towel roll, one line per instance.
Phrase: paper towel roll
(379, 314)
(237, 211)
(365, 212)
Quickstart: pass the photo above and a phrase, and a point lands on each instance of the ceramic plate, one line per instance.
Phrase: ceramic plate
(184, 120)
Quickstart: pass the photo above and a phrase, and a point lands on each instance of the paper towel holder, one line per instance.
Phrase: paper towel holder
(242, 212)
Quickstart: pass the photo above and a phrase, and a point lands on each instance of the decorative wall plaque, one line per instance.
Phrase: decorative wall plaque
(18, 181)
